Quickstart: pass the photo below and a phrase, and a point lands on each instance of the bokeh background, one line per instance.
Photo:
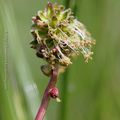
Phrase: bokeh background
(88, 91)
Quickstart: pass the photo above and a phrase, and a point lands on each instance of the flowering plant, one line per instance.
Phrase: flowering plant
(58, 36)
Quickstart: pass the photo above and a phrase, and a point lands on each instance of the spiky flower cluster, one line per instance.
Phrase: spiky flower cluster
(58, 36)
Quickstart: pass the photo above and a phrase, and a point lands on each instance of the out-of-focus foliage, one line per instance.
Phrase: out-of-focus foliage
(88, 91)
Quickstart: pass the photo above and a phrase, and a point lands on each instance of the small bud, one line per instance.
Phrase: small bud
(54, 92)
(46, 69)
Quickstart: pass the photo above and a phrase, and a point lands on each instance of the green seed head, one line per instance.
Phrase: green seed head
(58, 36)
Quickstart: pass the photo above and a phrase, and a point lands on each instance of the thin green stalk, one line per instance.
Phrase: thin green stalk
(64, 87)
(64, 84)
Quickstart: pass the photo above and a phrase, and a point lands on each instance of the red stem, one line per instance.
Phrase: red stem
(46, 97)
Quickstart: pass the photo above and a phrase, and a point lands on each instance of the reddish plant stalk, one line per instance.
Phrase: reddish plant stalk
(46, 97)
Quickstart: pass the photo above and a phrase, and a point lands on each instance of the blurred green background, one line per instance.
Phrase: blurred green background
(88, 91)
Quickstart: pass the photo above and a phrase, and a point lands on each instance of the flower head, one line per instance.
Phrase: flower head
(58, 36)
